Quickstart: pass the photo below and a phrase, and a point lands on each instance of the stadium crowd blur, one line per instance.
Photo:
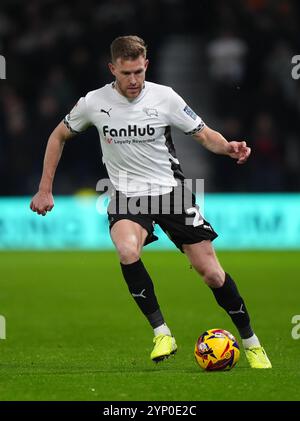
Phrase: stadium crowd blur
(56, 51)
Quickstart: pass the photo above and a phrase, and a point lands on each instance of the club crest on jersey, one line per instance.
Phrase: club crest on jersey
(151, 112)
(131, 130)
(190, 112)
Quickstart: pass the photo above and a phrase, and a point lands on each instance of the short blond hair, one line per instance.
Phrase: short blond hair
(128, 47)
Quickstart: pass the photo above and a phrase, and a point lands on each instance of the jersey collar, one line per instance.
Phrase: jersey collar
(124, 99)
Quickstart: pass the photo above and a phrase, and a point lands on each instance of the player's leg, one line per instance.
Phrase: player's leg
(203, 258)
(129, 237)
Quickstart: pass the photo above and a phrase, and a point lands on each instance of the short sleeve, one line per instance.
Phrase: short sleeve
(182, 116)
(77, 120)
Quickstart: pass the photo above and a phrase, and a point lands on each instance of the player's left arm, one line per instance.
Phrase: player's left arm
(216, 143)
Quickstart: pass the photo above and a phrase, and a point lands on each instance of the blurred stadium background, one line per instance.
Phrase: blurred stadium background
(233, 66)
(232, 62)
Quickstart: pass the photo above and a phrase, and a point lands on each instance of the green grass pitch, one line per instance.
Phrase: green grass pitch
(74, 333)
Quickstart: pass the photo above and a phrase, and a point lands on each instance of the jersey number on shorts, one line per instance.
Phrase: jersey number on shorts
(198, 220)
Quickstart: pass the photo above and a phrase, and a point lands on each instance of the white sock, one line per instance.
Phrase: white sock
(252, 341)
(162, 330)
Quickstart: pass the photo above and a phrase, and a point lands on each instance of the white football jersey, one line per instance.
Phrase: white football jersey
(135, 135)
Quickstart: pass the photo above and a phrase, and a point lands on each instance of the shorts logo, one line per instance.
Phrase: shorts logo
(151, 112)
(190, 112)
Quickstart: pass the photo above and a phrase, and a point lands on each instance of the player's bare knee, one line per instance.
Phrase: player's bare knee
(128, 252)
(214, 278)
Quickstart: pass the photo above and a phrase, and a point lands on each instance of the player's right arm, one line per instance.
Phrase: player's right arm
(43, 201)
(75, 122)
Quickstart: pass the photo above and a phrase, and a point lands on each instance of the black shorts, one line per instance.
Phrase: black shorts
(179, 219)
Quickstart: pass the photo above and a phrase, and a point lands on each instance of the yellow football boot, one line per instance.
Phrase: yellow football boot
(257, 357)
(164, 346)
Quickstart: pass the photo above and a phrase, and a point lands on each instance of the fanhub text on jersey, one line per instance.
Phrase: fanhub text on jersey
(131, 130)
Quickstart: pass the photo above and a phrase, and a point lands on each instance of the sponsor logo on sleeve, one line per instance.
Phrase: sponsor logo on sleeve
(190, 112)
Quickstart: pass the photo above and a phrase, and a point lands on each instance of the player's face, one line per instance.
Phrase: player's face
(130, 75)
